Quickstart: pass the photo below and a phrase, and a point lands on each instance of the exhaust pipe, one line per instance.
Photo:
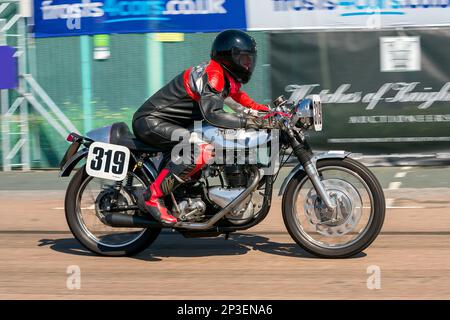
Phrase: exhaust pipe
(120, 220)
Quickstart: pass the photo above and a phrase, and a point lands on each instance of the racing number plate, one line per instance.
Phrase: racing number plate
(107, 161)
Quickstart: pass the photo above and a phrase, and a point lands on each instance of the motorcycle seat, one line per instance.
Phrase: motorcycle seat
(121, 135)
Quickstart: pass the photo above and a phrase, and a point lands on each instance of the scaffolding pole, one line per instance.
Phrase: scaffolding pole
(30, 95)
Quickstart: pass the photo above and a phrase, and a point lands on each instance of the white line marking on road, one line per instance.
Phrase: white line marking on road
(392, 139)
(394, 185)
(406, 168)
(85, 208)
(401, 174)
(412, 207)
(389, 202)
(394, 207)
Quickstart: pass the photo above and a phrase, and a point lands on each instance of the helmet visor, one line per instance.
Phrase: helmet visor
(246, 60)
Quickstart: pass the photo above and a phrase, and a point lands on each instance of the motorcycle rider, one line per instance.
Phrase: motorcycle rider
(197, 94)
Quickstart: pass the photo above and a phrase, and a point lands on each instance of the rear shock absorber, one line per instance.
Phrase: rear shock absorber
(129, 182)
(117, 188)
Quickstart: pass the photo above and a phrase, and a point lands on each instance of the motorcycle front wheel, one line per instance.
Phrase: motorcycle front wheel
(349, 229)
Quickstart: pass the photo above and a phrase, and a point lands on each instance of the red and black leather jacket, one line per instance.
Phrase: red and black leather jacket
(196, 94)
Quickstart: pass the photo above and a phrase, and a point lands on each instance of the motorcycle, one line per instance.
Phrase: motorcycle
(332, 205)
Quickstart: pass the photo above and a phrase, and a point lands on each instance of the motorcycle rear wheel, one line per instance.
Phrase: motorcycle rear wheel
(88, 238)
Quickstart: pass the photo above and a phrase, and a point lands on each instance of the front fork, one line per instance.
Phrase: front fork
(304, 154)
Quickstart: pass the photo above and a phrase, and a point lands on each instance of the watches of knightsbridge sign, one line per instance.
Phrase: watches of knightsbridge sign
(391, 92)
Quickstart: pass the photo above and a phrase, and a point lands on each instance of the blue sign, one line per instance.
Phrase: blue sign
(83, 17)
(8, 68)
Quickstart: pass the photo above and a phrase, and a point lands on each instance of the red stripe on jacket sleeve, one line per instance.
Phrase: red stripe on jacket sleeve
(242, 98)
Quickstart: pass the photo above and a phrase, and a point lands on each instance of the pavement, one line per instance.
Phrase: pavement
(411, 255)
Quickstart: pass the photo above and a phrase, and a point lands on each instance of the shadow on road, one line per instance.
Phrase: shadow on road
(175, 245)
(68, 245)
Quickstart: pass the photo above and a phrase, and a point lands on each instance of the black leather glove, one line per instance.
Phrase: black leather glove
(259, 123)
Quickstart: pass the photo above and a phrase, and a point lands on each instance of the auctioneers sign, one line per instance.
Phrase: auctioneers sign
(367, 107)
(335, 14)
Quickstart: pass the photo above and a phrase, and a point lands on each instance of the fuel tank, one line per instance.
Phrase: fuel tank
(236, 138)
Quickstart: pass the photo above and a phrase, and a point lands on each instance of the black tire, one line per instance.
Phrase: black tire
(140, 244)
(288, 208)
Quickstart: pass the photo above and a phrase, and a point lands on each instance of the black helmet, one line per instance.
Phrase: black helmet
(236, 52)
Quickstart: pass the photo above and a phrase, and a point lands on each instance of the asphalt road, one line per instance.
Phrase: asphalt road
(412, 253)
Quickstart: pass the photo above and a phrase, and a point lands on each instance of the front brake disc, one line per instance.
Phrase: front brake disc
(346, 216)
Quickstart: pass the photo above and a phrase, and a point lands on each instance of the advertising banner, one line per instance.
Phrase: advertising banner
(382, 92)
(8, 68)
(80, 17)
(83, 17)
(335, 14)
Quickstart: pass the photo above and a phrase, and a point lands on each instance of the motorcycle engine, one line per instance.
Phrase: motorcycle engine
(222, 197)
(191, 209)
(235, 176)
(236, 181)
